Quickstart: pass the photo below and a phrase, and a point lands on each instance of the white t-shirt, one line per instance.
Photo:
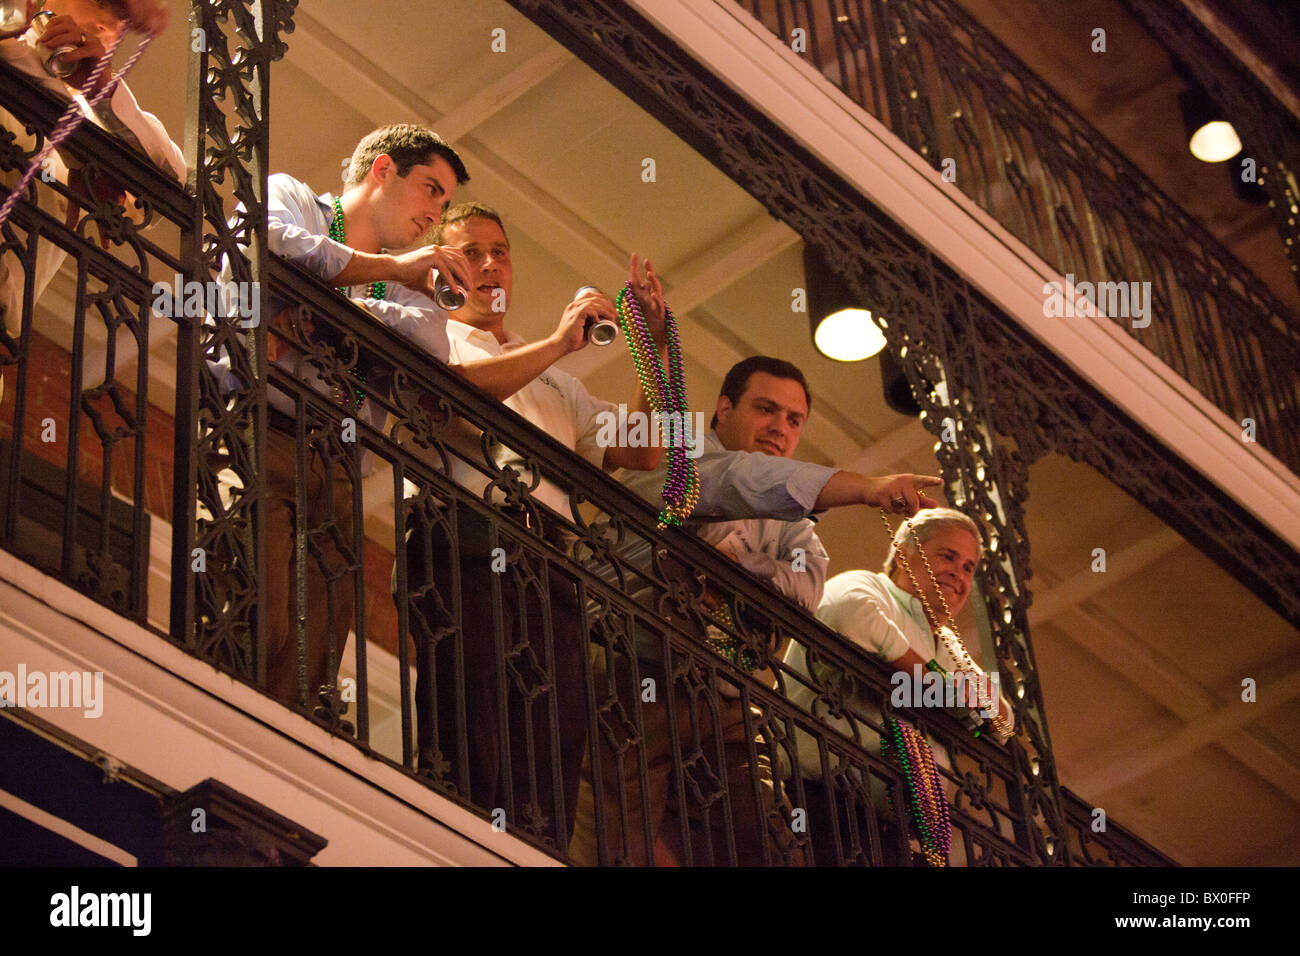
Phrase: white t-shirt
(555, 402)
(874, 613)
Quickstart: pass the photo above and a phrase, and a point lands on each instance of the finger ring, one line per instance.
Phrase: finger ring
(83, 38)
(899, 503)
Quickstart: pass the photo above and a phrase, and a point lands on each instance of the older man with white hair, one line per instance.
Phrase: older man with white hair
(896, 616)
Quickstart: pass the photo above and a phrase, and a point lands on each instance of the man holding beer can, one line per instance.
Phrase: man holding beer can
(529, 781)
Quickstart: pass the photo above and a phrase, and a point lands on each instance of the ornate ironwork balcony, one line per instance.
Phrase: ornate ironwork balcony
(954, 93)
(601, 580)
(1095, 841)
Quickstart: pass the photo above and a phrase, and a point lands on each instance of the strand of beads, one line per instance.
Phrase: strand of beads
(725, 645)
(908, 747)
(666, 393)
(376, 290)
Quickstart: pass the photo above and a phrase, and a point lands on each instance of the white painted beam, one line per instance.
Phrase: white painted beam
(1141, 757)
(900, 445)
(497, 96)
(765, 239)
(1086, 584)
(1118, 649)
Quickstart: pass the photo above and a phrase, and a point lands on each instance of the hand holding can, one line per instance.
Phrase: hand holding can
(599, 331)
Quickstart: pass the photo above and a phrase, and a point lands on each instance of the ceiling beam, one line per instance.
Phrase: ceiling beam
(699, 278)
(331, 62)
(1142, 756)
(1115, 647)
(900, 445)
(765, 239)
(1087, 584)
(497, 96)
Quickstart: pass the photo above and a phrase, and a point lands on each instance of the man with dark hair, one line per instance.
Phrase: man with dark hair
(738, 376)
(407, 146)
(754, 505)
(344, 240)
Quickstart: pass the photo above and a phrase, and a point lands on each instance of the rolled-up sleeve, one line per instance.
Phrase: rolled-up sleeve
(588, 413)
(290, 203)
(415, 316)
(799, 569)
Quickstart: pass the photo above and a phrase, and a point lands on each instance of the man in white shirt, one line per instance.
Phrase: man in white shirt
(85, 25)
(883, 612)
(545, 710)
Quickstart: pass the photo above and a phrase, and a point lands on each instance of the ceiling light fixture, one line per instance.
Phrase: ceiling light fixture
(1210, 136)
(841, 328)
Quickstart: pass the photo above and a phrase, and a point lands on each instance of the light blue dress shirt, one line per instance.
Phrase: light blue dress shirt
(298, 224)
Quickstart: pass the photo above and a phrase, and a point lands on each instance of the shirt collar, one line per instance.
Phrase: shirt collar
(909, 602)
(464, 332)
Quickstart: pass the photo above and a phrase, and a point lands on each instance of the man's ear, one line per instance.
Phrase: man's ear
(723, 409)
(382, 167)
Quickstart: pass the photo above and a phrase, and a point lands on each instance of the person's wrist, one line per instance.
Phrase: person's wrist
(869, 486)
(80, 77)
(557, 344)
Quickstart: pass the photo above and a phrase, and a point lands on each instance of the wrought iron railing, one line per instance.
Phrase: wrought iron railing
(1096, 841)
(956, 95)
(635, 596)
(600, 586)
(94, 419)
